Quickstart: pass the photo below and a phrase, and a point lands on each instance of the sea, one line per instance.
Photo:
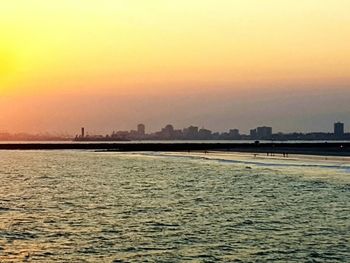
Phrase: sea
(86, 206)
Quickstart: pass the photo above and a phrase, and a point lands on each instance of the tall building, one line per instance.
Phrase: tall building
(167, 132)
(204, 134)
(141, 129)
(338, 129)
(234, 133)
(264, 132)
(168, 129)
(190, 132)
(82, 132)
(253, 133)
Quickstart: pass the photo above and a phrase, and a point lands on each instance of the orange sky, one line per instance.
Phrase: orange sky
(109, 64)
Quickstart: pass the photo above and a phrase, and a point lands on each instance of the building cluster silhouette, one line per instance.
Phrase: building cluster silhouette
(196, 133)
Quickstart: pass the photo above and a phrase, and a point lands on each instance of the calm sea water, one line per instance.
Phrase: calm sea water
(72, 206)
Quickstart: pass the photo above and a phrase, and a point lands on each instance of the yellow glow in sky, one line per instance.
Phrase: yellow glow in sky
(65, 44)
(52, 52)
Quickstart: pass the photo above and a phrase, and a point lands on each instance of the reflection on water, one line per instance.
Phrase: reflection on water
(71, 206)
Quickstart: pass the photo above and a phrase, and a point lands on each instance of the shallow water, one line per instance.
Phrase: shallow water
(72, 206)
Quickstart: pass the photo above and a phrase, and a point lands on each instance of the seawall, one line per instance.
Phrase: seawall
(336, 148)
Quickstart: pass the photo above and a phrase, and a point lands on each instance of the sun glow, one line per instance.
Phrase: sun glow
(165, 41)
(164, 46)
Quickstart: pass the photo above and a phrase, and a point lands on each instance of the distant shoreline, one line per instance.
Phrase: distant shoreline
(329, 148)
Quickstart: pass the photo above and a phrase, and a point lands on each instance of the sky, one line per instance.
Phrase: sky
(220, 64)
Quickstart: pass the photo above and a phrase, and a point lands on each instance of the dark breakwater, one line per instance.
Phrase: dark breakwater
(336, 148)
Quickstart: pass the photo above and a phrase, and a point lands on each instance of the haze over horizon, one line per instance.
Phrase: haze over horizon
(109, 65)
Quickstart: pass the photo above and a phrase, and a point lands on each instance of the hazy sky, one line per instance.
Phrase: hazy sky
(109, 64)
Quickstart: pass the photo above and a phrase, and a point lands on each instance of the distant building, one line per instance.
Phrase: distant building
(339, 129)
(123, 135)
(193, 133)
(177, 134)
(167, 132)
(134, 135)
(190, 132)
(234, 133)
(253, 133)
(204, 134)
(264, 132)
(141, 129)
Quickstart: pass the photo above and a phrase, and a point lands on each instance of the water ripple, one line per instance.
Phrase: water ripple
(106, 207)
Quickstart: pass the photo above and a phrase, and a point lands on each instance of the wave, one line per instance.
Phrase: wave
(243, 159)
